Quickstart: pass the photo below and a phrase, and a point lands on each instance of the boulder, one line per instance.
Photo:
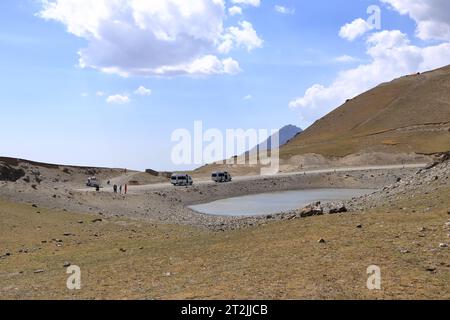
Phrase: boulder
(314, 209)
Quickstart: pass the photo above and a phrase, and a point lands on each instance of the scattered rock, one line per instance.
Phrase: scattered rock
(443, 245)
(321, 241)
(311, 210)
(39, 271)
(340, 209)
(67, 234)
(97, 220)
(405, 251)
(430, 269)
(67, 264)
(34, 205)
(122, 250)
(359, 226)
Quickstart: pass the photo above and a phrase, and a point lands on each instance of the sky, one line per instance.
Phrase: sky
(107, 82)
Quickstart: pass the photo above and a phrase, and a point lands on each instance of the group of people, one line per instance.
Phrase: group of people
(119, 189)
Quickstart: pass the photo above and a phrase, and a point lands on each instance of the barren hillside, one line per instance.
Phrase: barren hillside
(408, 115)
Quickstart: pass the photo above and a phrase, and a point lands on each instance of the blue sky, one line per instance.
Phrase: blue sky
(51, 110)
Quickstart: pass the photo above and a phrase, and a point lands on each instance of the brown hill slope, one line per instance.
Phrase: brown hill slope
(34, 174)
(409, 115)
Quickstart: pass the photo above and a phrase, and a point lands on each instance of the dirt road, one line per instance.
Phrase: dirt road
(142, 188)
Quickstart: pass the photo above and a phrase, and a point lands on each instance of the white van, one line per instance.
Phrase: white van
(221, 177)
(92, 182)
(181, 180)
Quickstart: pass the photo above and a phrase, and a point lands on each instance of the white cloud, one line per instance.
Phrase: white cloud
(248, 97)
(118, 99)
(231, 66)
(137, 37)
(235, 10)
(346, 59)
(207, 65)
(84, 94)
(254, 3)
(143, 91)
(284, 10)
(99, 93)
(243, 36)
(392, 56)
(432, 17)
(355, 29)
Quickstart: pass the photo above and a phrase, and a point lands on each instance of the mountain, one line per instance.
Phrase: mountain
(285, 135)
(403, 121)
(408, 115)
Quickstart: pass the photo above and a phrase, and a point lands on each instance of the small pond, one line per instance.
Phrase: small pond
(275, 202)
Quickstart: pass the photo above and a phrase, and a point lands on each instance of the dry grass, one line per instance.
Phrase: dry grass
(277, 261)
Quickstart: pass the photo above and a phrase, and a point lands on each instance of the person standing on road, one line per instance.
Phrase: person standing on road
(115, 188)
(120, 189)
(126, 188)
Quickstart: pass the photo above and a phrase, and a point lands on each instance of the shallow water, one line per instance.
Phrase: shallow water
(275, 202)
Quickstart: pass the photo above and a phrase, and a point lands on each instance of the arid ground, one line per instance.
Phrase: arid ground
(125, 253)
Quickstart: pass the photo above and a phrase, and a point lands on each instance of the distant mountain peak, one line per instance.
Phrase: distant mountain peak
(286, 134)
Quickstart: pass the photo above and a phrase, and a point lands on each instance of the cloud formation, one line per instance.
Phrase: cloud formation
(432, 17)
(254, 3)
(284, 10)
(243, 36)
(345, 59)
(354, 29)
(234, 10)
(143, 91)
(163, 37)
(118, 99)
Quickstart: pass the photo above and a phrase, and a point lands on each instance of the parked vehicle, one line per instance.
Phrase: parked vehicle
(181, 180)
(221, 177)
(93, 182)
